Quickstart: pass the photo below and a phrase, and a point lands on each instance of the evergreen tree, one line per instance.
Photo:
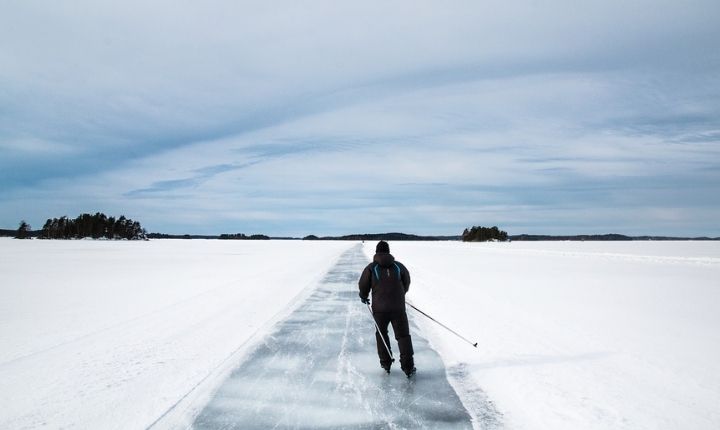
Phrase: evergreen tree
(23, 231)
(109, 228)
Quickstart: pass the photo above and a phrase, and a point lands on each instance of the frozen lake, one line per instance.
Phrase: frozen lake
(571, 335)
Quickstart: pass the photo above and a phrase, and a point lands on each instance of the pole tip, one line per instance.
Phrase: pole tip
(475, 344)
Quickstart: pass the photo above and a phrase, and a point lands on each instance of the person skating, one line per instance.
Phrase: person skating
(389, 281)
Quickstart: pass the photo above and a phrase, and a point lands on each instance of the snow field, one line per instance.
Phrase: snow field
(99, 334)
(590, 335)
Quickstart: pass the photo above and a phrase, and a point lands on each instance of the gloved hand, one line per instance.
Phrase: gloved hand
(366, 301)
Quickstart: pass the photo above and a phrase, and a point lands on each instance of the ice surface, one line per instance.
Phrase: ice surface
(319, 369)
(589, 335)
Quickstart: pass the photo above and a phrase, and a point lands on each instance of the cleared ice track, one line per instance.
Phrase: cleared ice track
(319, 369)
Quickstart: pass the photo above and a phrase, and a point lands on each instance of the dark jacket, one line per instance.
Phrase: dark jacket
(388, 292)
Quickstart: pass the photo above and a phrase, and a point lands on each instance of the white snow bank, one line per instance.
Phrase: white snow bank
(578, 335)
(110, 335)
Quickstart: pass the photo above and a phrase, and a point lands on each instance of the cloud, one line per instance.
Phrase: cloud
(34, 147)
(329, 117)
(201, 175)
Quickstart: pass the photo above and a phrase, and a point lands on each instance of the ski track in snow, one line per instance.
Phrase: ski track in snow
(319, 369)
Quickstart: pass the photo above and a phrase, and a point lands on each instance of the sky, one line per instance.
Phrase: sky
(324, 117)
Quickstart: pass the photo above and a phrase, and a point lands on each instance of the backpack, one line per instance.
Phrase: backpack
(388, 291)
(386, 273)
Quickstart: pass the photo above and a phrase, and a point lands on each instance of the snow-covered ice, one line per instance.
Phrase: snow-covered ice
(592, 335)
(110, 335)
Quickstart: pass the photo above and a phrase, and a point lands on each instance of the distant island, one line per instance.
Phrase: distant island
(97, 226)
(382, 236)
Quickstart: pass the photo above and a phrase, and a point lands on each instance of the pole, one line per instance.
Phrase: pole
(392, 359)
(443, 325)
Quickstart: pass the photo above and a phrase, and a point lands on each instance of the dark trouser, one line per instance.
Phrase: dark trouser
(402, 335)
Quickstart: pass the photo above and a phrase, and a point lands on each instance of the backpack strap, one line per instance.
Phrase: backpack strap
(375, 270)
(377, 273)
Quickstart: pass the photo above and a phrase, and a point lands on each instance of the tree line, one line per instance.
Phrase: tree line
(92, 226)
(383, 236)
(242, 236)
(484, 234)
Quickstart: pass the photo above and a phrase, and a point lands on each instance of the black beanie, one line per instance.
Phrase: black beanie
(382, 248)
